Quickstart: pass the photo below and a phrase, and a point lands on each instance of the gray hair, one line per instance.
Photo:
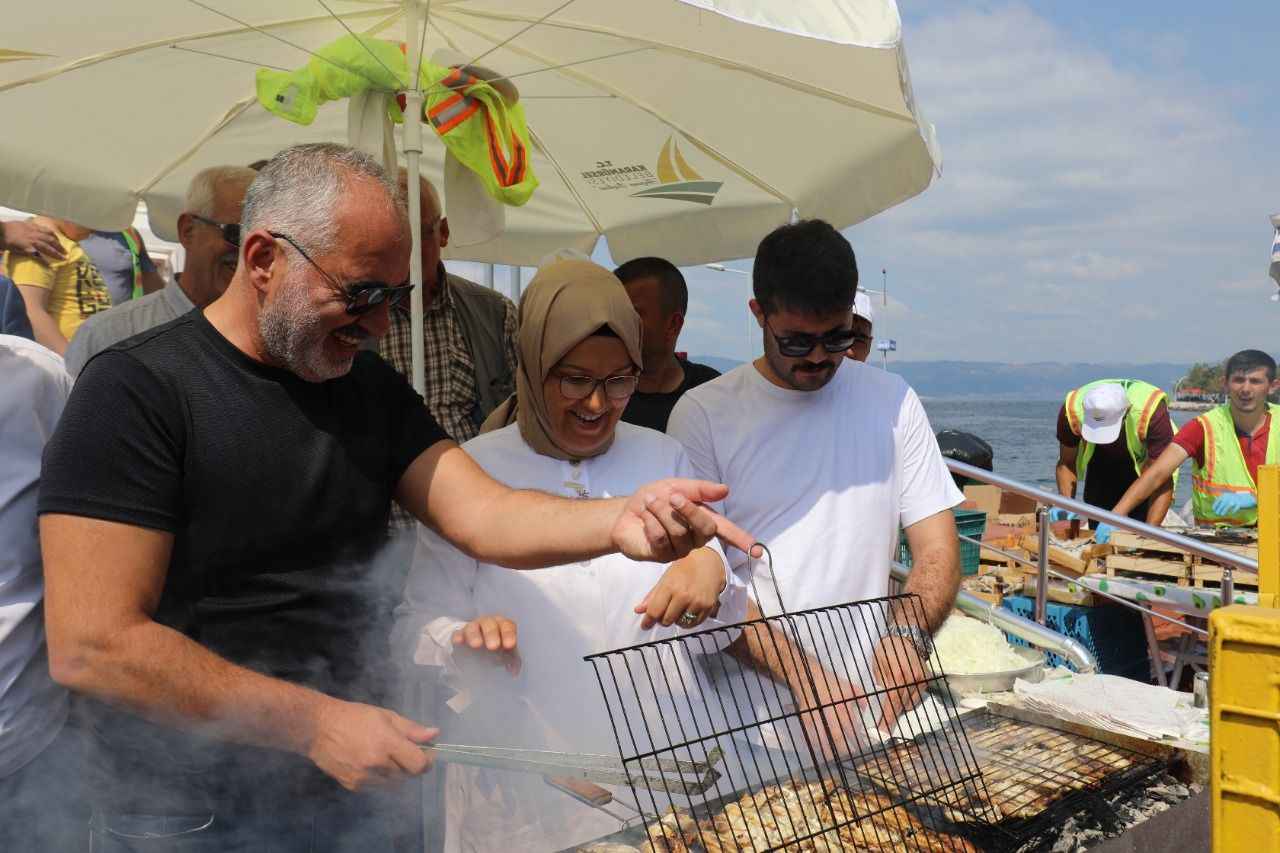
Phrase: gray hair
(202, 192)
(300, 188)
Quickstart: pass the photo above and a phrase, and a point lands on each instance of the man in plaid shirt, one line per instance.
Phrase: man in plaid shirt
(470, 339)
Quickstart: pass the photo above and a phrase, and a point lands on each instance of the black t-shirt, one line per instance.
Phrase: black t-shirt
(654, 410)
(277, 492)
(1110, 472)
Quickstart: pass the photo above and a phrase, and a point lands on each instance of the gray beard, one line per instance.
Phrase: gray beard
(292, 336)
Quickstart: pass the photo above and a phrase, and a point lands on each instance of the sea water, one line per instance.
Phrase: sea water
(1023, 435)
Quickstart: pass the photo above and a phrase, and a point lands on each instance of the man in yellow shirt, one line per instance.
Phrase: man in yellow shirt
(59, 294)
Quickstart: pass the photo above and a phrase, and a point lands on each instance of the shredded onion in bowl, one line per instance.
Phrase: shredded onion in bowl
(967, 646)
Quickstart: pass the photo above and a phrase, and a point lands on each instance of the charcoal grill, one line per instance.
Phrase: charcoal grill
(847, 785)
(1038, 771)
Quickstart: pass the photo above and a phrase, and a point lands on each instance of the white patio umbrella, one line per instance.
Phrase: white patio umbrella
(680, 128)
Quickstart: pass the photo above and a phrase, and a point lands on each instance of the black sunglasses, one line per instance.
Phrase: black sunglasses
(361, 296)
(800, 345)
(230, 230)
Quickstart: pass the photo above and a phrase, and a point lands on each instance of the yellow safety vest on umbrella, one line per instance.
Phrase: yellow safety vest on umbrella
(479, 127)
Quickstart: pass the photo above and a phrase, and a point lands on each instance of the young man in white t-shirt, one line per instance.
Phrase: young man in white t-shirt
(825, 457)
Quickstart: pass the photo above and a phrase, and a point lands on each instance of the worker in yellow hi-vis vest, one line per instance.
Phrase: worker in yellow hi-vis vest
(1109, 432)
(1226, 445)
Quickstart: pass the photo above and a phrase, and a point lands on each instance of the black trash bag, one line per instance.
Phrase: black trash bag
(965, 447)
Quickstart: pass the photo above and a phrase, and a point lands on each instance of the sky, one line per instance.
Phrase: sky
(1108, 173)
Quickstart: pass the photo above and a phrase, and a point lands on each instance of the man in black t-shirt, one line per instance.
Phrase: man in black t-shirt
(213, 506)
(660, 296)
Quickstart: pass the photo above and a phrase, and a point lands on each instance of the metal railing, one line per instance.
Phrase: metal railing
(1040, 636)
(1229, 560)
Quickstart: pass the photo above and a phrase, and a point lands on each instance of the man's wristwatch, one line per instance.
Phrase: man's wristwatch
(918, 636)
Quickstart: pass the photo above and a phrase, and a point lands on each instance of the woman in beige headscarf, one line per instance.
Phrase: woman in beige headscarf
(579, 348)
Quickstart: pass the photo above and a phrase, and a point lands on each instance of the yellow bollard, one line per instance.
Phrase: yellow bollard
(1269, 536)
(1244, 725)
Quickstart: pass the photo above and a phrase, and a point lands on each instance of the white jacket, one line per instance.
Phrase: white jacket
(562, 614)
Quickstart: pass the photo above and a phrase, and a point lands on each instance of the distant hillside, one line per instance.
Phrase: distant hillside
(1038, 380)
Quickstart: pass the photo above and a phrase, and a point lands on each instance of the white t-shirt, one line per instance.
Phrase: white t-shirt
(562, 614)
(32, 394)
(824, 478)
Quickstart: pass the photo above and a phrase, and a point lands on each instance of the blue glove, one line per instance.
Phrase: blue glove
(1234, 502)
(1102, 533)
(1060, 514)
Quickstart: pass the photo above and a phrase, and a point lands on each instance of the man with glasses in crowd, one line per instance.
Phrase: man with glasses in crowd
(208, 230)
(214, 592)
(826, 458)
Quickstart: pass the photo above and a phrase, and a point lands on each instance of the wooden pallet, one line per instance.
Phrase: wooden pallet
(1063, 560)
(1143, 558)
(1187, 571)
(1124, 541)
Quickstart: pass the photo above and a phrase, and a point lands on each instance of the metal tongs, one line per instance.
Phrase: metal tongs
(602, 769)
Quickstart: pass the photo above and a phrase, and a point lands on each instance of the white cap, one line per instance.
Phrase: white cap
(1104, 410)
(862, 306)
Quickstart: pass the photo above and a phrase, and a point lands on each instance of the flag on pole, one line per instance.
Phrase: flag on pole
(1275, 249)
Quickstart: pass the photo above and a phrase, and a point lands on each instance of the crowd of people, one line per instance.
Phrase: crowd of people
(220, 637)
(250, 564)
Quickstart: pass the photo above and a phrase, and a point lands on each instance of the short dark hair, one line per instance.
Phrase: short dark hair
(1250, 359)
(675, 293)
(807, 267)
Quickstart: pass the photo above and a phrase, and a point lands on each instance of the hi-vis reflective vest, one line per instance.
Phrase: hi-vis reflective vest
(1225, 469)
(484, 132)
(1144, 398)
(487, 135)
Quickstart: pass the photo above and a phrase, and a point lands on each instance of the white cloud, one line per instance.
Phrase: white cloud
(1077, 190)
(1092, 206)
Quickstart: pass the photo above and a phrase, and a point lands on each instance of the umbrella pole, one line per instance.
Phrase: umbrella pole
(412, 137)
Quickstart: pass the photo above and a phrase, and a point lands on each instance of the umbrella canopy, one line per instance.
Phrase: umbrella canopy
(681, 128)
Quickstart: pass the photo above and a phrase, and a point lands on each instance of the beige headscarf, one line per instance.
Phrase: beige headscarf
(565, 304)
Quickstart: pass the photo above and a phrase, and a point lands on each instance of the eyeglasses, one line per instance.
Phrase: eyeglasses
(230, 230)
(800, 345)
(860, 339)
(362, 296)
(582, 387)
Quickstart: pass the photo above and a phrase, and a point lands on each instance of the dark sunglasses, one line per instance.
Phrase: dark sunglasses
(230, 230)
(800, 345)
(361, 296)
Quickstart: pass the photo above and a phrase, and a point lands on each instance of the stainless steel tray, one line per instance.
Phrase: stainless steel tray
(996, 682)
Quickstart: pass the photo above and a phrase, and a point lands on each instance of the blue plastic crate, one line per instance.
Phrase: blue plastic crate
(1113, 633)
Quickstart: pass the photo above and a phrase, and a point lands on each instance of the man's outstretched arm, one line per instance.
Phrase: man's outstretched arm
(662, 521)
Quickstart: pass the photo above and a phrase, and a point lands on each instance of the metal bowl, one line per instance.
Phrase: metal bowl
(996, 682)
